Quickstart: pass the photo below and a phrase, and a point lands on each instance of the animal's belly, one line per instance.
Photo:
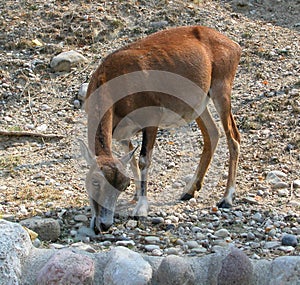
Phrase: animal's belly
(162, 117)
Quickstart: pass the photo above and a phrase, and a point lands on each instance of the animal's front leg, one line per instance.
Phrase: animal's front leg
(149, 136)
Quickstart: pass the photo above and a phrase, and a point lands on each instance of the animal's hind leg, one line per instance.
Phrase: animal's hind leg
(220, 93)
(211, 135)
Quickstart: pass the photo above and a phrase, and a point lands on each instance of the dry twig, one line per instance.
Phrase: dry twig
(29, 134)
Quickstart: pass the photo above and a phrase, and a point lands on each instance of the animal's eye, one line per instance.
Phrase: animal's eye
(95, 183)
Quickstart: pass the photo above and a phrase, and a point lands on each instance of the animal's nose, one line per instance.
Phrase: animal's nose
(104, 227)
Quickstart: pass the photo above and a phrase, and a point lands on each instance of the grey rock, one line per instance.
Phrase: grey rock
(223, 233)
(47, 229)
(82, 91)
(236, 269)
(175, 270)
(152, 239)
(80, 218)
(296, 184)
(157, 220)
(66, 267)
(15, 246)
(126, 267)
(66, 60)
(280, 185)
(126, 243)
(192, 244)
(151, 247)
(289, 240)
(285, 270)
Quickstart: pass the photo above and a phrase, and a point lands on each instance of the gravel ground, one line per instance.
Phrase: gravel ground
(45, 176)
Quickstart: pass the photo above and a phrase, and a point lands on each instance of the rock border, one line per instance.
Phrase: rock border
(22, 263)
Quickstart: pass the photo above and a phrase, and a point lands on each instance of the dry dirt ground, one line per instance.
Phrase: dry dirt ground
(44, 175)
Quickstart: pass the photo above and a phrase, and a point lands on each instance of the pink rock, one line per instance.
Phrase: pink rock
(67, 267)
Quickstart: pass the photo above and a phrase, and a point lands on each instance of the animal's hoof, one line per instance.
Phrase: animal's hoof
(93, 226)
(224, 204)
(186, 196)
(141, 210)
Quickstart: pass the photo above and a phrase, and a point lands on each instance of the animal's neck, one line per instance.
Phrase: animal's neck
(103, 139)
(100, 134)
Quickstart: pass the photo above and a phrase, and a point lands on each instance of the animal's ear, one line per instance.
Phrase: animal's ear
(85, 152)
(127, 157)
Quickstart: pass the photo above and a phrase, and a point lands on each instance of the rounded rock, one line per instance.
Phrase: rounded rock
(236, 269)
(289, 240)
(175, 270)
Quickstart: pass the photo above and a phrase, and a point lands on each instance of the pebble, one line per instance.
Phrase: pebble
(126, 243)
(223, 233)
(200, 249)
(172, 250)
(131, 224)
(283, 192)
(296, 184)
(271, 244)
(82, 91)
(157, 252)
(151, 247)
(152, 239)
(192, 244)
(280, 185)
(289, 240)
(80, 218)
(157, 220)
(257, 217)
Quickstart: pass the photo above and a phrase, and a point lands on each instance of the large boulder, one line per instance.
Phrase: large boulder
(67, 267)
(126, 267)
(175, 270)
(15, 245)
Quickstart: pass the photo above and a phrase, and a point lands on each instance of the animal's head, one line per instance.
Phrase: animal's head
(106, 179)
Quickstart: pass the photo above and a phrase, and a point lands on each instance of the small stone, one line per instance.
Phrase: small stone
(157, 252)
(152, 239)
(80, 218)
(173, 219)
(193, 202)
(200, 249)
(287, 249)
(296, 183)
(82, 91)
(151, 247)
(289, 240)
(250, 200)
(126, 243)
(196, 229)
(223, 233)
(192, 244)
(271, 244)
(257, 217)
(47, 229)
(280, 185)
(283, 192)
(131, 224)
(171, 165)
(157, 220)
(172, 250)
(66, 60)
(76, 104)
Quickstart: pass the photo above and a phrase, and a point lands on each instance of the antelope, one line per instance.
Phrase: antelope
(162, 80)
